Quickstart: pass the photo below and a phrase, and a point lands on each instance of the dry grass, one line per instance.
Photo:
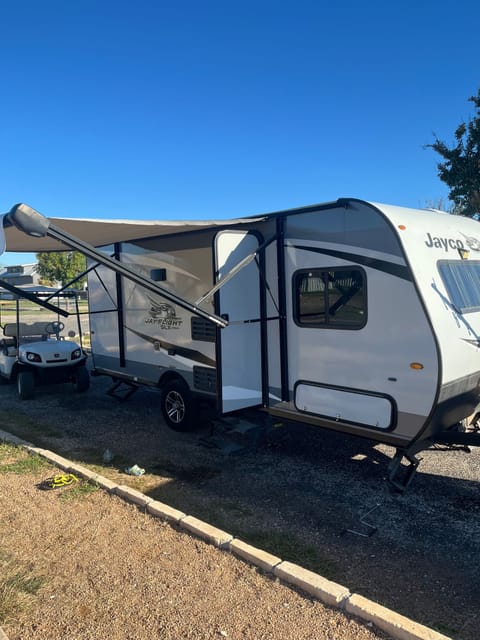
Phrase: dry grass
(18, 587)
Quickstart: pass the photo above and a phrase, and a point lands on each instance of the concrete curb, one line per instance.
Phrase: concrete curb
(132, 495)
(160, 510)
(328, 592)
(205, 531)
(392, 623)
(259, 558)
(331, 593)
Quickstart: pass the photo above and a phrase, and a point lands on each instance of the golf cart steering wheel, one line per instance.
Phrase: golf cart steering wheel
(55, 327)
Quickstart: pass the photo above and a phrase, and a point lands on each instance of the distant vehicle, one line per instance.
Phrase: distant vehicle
(36, 353)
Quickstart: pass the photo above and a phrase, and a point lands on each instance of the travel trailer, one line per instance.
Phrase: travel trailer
(353, 316)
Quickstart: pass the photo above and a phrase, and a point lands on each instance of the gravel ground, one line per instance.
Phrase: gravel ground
(297, 493)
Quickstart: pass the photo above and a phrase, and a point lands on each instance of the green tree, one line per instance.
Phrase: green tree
(460, 169)
(61, 266)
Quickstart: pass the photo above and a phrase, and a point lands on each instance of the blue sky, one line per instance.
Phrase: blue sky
(187, 109)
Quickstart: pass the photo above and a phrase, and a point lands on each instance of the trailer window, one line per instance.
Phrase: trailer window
(334, 298)
(462, 282)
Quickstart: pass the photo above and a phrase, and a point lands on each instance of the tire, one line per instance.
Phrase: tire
(25, 385)
(177, 406)
(82, 380)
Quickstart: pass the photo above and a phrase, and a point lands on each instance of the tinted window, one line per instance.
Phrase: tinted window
(335, 298)
(462, 282)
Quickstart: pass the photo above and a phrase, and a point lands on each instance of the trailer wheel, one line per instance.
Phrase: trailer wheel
(82, 379)
(25, 384)
(177, 406)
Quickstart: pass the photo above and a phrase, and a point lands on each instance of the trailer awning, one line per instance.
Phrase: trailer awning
(99, 233)
(32, 223)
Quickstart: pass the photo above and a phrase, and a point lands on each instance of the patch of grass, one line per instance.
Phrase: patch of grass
(18, 461)
(18, 587)
(32, 464)
(185, 474)
(6, 451)
(78, 491)
(93, 457)
(25, 582)
(24, 427)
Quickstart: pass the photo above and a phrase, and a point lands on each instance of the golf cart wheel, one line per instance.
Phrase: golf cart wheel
(25, 384)
(82, 380)
(177, 406)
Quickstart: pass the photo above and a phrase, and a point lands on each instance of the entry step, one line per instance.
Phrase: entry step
(122, 390)
(233, 435)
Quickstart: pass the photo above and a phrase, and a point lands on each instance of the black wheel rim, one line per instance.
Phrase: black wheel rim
(175, 407)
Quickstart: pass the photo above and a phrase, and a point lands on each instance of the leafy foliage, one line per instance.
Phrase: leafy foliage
(61, 266)
(461, 167)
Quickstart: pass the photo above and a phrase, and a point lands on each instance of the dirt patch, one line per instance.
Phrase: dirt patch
(87, 565)
(296, 494)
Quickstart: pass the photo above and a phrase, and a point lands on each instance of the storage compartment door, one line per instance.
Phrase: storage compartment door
(240, 343)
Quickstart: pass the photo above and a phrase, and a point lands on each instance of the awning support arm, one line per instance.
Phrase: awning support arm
(70, 282)
(33, 298)
(234, 270)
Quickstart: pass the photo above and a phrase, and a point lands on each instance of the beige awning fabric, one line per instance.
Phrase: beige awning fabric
(99, 233)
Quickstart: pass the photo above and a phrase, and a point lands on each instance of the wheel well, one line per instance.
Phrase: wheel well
(171, 376)
(15, 371)
(18, 368)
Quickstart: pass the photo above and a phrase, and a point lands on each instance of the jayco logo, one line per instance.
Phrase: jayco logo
(450, 243)
(163, 315)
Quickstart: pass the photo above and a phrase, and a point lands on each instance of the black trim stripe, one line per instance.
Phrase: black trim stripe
(282, 306)
(189, 354)
(396, 270)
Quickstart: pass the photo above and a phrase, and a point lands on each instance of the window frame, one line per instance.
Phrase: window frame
(325, 324)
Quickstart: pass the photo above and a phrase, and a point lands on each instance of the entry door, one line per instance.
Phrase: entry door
(240, 344)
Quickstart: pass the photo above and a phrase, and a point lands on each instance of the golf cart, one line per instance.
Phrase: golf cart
(34, 349)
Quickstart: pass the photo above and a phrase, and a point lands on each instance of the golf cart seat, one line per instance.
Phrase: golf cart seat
(34, 332)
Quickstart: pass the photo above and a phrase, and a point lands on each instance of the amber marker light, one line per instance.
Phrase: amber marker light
(416, 365)
(402, 227)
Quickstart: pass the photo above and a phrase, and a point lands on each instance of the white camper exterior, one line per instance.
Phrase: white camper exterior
(354, 316)
(363, 318)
